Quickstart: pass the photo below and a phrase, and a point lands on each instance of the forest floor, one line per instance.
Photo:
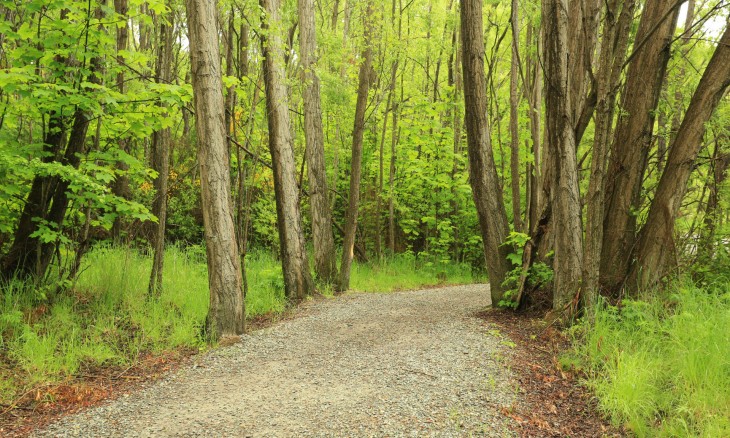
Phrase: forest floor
(429, 362)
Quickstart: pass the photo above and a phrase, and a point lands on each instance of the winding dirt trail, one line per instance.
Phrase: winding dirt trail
(403, 364)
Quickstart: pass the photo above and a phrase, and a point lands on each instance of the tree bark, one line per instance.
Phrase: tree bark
(161, 157)
(618, 18)
(226, 315)
(633, 135)
(348, 241)
(325, 263)
(297, 279)
(561, 142)
(655, 243)
(514, 102)
(486, 189)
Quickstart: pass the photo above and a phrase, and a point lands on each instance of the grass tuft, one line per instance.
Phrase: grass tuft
(661, 367)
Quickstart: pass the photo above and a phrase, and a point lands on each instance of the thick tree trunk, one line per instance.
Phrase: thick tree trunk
(297, 279)
(655, 243)
(348, 241)
(227, 307)
(619, 16)
(514, 102)
(22, 258)
(633, 135)
(325, 262)
(486, 189)
(561, 142)
(161, 157)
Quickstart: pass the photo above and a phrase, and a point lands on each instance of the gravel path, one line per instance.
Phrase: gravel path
(402, 364)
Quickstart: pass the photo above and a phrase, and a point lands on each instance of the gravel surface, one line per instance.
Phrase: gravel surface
(402, 364)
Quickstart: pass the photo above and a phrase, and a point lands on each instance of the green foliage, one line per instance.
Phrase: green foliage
(408, 271)
(108, 317)
(660, 367)
(537, 275)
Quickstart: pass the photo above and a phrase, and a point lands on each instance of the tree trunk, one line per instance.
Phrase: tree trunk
(121, 183)
(619, 16)
(633, 135)
(161, 157)
(325, 263)
(655, 243)
(486, 190)
(561, 142)
(514, 102)
(227, 307)
(348, 241)
(297, 279)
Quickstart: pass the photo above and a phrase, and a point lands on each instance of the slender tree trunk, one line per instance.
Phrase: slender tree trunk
(633, 135)
(394, 132)
(297, 279)
(561, 142)
(348, 242)
(486, 189)
(161, 157)
(514, 102)
(325, 263)
(656, 240)
(536, 132)
(619, 16)
(121, 183)
(226, 315)
(720, 164)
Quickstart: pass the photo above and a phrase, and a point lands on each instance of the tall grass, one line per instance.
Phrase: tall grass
(661, 366)
(107, 318)
(407, 271)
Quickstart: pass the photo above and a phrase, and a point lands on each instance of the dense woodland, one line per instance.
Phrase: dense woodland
(574, 150)
(598, 129)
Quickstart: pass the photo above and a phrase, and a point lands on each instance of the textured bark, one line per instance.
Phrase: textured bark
(161, 157)
(226, 315)
(633, 135)
(655, 243)
(21, 259)
(348, 241)
(486, 190)
(297, 279)
(535, 101)
(618, 18)
(560, 117)
(582, 28)
(325, 262)
(514, 102)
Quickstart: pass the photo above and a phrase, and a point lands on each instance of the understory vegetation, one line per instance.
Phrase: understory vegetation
(660, 365)
(110, 319)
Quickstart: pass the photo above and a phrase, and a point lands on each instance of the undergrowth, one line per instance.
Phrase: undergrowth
(408, 271)
(661, 366)
(107, 317)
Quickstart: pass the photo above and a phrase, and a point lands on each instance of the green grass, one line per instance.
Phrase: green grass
(108, 319)
(661, 367)
(406, 272)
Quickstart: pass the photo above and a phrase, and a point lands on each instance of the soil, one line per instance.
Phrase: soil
(552, 401)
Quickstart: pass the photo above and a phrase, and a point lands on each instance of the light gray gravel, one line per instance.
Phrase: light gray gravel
(403, 364)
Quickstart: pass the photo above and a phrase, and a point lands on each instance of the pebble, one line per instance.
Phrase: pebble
(403, 364)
